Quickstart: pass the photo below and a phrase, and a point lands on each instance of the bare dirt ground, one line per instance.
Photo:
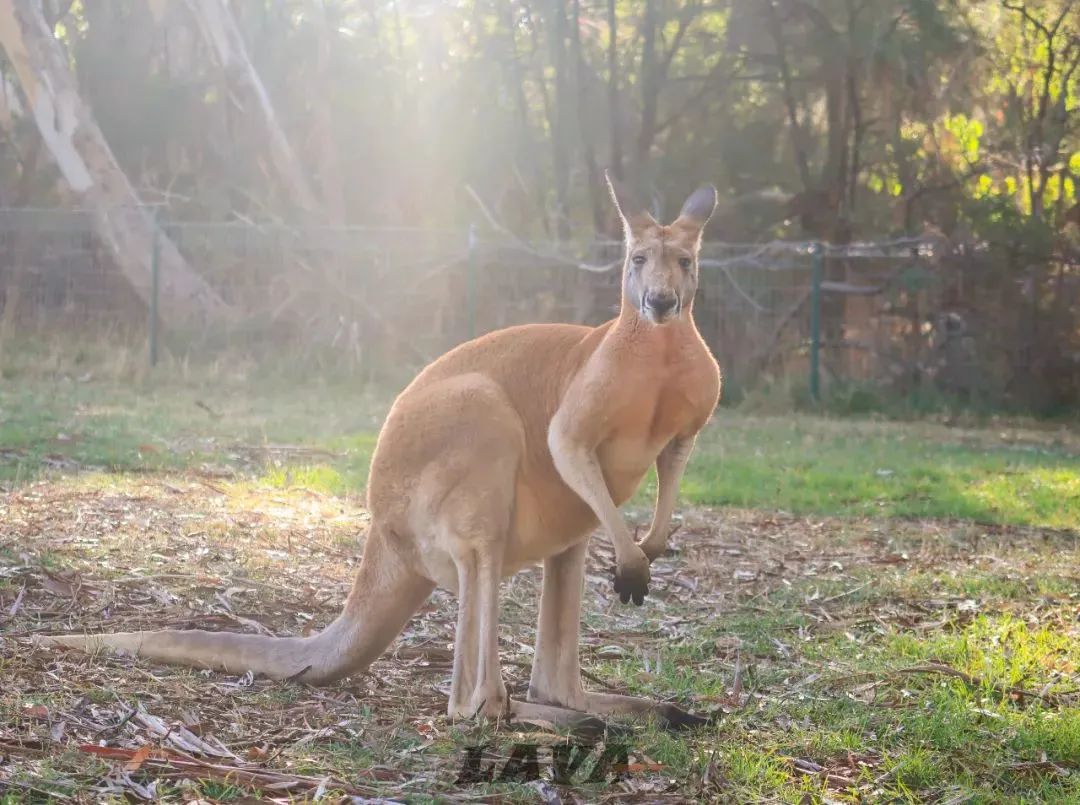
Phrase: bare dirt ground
(192, 551)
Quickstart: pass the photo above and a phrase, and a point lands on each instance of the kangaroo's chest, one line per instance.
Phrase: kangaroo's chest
(638, 432)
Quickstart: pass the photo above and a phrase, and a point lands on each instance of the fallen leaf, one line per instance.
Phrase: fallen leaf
(140, 756)
(37, 712)
(58, 585)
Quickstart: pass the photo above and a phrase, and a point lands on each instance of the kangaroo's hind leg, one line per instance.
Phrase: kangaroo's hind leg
(459, 445)
(461, 512)
(556, 673)
(478, 689)
(473, 521)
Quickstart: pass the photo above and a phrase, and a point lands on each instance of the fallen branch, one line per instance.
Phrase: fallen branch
(208, 409)
(844, 594)
(180, 736)
(164, 761)
(14, 608)
(599, 680)
(287, 449)
(809, 767)
(974, 683)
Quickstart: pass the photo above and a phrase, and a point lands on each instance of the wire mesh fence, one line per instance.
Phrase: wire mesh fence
(899, 313)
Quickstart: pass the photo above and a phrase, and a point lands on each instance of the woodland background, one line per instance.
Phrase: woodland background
(383, 179)
(331, 193)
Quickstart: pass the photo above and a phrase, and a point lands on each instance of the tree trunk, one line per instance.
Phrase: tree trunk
(560, 119)
(69, 131)
(592, 169)
(330, 173)
(525, 144)
(650, 89)
(613, 92)
(222, 36)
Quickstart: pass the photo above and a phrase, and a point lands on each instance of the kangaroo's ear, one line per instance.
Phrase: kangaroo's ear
(631, 210)
(698, 209)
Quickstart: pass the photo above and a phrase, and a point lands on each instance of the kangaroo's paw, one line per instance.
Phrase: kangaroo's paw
(632, 577)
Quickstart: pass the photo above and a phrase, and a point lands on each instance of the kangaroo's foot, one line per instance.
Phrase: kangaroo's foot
(565, 705)
(656, 542)
(670, 715)
(544, 715)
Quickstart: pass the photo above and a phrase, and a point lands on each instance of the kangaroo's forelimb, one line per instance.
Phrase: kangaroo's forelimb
(670, 466)
(579, 467)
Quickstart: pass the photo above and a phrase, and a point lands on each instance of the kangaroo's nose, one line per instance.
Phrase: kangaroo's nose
(661, 303)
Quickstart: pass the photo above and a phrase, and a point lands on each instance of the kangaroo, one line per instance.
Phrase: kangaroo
(509, 450)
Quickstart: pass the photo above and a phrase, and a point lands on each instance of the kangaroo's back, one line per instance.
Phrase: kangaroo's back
(531, 363)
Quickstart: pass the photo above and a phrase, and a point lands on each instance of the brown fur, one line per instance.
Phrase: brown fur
(506, 451)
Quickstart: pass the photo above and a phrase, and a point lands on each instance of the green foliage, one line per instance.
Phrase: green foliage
(497, 100)
(816, 119)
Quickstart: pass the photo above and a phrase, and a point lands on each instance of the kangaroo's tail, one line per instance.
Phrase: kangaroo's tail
(384, 596)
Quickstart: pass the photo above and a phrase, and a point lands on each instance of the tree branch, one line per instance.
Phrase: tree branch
(685, 18)
(695, 98)
(789, 97)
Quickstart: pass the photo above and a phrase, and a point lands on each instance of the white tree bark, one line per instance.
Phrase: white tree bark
(69, 131)
(330, 173)
(10, 108)
(223, 38)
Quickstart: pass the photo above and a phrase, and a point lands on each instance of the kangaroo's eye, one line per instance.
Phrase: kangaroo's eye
(638, 259)
(685, 262)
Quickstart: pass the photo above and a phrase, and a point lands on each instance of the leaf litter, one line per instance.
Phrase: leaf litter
(177, 552)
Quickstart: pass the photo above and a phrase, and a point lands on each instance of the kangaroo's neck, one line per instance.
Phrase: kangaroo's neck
(637, 344)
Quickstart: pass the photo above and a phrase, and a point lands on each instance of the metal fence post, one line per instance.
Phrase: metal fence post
(470, 282)
(155, 285)
(817, 254)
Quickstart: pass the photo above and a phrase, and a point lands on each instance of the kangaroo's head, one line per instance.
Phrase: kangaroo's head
(660, 274)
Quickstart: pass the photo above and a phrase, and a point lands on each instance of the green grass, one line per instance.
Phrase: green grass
(916, 737)
(863, 468)
(58, 426)
(802, 464)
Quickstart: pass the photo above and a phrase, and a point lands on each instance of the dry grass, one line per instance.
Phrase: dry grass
(755, 618)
